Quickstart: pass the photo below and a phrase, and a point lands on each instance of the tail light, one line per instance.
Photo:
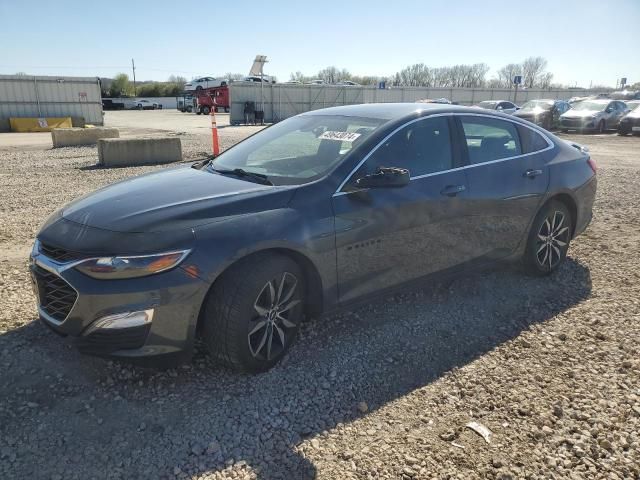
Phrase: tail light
(592, 164)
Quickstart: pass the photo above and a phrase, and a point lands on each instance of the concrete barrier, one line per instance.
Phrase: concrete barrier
(125, 152)
(68, 137)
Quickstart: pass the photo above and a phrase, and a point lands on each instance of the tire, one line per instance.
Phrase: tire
(199, 87)
(542, 257)
(139, 107)
(206, 110)
(601, 126)
(240, 327)
(189, 109)
(547, 124)
(623, 131)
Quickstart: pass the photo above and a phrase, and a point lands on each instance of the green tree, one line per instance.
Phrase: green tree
(120, 85)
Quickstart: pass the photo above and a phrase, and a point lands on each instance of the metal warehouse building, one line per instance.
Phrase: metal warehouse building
(36, 97)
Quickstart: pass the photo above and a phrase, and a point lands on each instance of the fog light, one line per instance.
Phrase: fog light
(122, 320)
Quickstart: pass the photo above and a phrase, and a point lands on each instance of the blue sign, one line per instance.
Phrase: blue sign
(517, 80)
(382, 85)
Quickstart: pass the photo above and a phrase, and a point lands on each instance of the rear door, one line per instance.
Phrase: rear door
(507, 175)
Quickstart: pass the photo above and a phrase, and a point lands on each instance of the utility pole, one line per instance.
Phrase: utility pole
(133, 66)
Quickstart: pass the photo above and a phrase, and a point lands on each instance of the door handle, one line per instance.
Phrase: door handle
(452, 190)
(532, 173)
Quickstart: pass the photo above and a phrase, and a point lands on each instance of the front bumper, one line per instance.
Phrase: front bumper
(70, 303)
(578, 124)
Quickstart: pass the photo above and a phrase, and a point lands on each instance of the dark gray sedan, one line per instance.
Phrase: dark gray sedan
(314, 213)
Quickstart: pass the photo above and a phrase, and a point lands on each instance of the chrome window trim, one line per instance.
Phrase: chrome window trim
(515, 120)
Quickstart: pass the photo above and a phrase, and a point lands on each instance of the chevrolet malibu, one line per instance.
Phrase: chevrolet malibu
(314, 213)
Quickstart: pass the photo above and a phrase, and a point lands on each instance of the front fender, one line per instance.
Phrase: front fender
(221, 244)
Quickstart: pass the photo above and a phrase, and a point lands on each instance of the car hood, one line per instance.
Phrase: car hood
(172, 199)
(580, 113)
(633, 113)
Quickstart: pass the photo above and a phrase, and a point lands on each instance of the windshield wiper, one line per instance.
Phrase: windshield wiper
(257, 177)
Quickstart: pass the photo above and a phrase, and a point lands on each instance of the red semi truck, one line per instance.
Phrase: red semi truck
(208, 98)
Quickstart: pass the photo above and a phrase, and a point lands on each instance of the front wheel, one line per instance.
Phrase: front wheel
(252, 314)
(548, 240)
(206, 110)
(601, 128)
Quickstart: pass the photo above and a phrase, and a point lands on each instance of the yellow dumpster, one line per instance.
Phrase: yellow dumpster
(44, 124)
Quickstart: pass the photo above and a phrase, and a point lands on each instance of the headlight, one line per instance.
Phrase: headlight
(110, 268)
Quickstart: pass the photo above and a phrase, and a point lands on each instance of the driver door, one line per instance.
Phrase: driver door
(386, 236)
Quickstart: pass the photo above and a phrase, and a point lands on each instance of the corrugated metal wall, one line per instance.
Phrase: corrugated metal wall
(283, 101)
(28, 96)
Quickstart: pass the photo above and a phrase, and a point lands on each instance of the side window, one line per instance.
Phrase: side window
(490, 139)
(422, 147)
(531, 140)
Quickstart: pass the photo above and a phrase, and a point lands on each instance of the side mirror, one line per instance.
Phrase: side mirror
(385, 177)
(609, 110)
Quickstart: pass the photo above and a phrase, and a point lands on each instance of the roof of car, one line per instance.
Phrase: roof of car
(602, 101)
(388, 111)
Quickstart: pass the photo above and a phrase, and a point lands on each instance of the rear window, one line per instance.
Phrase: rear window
(490, 139)
(531, 140)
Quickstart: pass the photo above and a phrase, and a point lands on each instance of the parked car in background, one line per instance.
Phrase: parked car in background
(545, 112)
(320, 210)
(503, 106)
(626, 95)
(315, 82)
(348, 83)
(444, 101)
(142, 104)
(630, 123)
(258, 79)
(205, 82)
(593, 115)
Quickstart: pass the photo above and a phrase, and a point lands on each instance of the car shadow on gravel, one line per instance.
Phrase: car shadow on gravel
(66, 414)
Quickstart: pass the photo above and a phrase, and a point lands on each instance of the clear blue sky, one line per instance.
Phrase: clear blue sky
(583, 40)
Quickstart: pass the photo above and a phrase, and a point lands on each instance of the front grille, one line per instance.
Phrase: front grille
(56, 296)
(59, 255)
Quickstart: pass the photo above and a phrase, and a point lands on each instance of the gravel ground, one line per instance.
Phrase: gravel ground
(551, 366)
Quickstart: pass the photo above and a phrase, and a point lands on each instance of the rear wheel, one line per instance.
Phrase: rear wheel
(549, 239)
(253, 312)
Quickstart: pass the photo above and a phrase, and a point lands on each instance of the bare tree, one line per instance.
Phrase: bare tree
(533, 68)
(506, 74)
(334, 75)
(233, 76)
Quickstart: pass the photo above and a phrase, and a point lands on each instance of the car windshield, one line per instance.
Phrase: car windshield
(537, 104)
(298, 150)
(590, 106)
(490, 105)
